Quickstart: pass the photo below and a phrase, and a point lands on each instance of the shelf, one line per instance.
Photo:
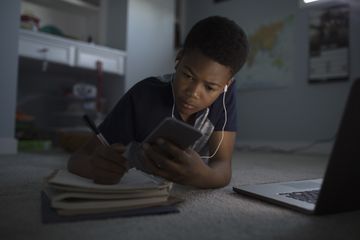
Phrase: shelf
(74, 114)
(73, 129)
(84, 6)
(47, 50)
(87, 56)
(46, 47)
(76, 99)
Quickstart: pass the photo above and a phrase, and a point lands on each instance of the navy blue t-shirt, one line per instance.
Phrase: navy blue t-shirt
(149, 101)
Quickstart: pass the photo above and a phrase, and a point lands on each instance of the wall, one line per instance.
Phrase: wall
(299, 113)
(150, 39)
(116, 22)
(9, 22)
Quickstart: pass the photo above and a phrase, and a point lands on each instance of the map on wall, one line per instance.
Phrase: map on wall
(270, 61)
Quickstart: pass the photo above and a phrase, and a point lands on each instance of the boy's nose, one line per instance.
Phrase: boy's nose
(193, 90)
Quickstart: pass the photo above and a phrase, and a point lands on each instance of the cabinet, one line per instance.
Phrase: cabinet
(43, 49)
(112, 60)
(48, 96)
(75, 53)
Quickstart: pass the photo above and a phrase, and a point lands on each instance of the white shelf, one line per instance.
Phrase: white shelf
(69, 5)
(46, 47)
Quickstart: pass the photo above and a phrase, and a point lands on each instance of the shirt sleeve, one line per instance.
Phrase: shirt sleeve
(230, 103)
(118, 126)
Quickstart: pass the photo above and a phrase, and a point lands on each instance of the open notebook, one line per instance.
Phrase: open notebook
(70, 194)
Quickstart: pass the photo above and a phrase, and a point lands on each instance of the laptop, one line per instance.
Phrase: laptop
(338, 190)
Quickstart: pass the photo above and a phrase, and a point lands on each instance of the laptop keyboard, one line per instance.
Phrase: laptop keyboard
(306, 196)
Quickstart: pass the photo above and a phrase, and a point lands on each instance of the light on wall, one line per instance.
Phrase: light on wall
(309, 3)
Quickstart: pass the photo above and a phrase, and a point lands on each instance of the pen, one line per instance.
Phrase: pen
(93, 127)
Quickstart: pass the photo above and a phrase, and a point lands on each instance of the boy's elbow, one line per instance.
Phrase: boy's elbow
(226, 181)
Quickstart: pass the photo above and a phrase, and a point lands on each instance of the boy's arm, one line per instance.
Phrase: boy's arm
(219, 174)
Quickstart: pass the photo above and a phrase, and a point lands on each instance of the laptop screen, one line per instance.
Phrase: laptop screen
(342, 178)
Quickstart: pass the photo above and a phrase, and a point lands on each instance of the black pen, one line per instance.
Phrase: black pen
(97, 132)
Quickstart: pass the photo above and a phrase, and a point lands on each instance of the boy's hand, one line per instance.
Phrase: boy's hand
(108, 164)
(167, 160)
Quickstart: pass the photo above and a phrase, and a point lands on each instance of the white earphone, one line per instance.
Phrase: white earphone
(223, 128)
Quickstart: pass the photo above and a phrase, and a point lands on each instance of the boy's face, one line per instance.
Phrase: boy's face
(199, 81)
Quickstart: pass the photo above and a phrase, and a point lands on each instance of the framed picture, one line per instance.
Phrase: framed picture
(329, 44)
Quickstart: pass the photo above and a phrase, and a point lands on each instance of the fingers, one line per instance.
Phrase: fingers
(159, 164)
(150, 166)
(112, 154)
(155, 155)
(105, 177)
(171, 150)
(118, 147)
(108, 164)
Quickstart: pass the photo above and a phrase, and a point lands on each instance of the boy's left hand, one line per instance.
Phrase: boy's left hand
(166, 160)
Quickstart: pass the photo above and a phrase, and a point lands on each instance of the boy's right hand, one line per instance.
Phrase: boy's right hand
(109, 164)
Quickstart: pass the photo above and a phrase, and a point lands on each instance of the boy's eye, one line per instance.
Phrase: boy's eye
(209, 88)
(187, 75)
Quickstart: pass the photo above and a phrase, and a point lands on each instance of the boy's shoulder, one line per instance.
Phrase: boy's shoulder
(152, 83)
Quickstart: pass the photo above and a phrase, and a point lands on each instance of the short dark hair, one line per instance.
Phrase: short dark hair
(220, 39)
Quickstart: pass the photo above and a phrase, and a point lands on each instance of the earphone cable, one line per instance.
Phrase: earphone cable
(222, 131)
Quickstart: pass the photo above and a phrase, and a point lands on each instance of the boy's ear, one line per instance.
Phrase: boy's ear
(230, 81)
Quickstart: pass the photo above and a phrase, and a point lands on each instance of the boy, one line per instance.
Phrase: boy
(201, 93)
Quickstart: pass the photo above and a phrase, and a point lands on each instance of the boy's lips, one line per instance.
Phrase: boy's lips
(186, 105)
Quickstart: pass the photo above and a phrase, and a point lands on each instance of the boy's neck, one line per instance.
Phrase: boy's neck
(189, 119)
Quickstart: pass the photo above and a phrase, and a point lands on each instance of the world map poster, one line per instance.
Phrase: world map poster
(270, 61)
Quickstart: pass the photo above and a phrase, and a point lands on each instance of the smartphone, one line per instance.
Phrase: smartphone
(175, 131)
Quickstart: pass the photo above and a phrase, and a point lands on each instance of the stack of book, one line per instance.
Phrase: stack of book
(71, 195)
